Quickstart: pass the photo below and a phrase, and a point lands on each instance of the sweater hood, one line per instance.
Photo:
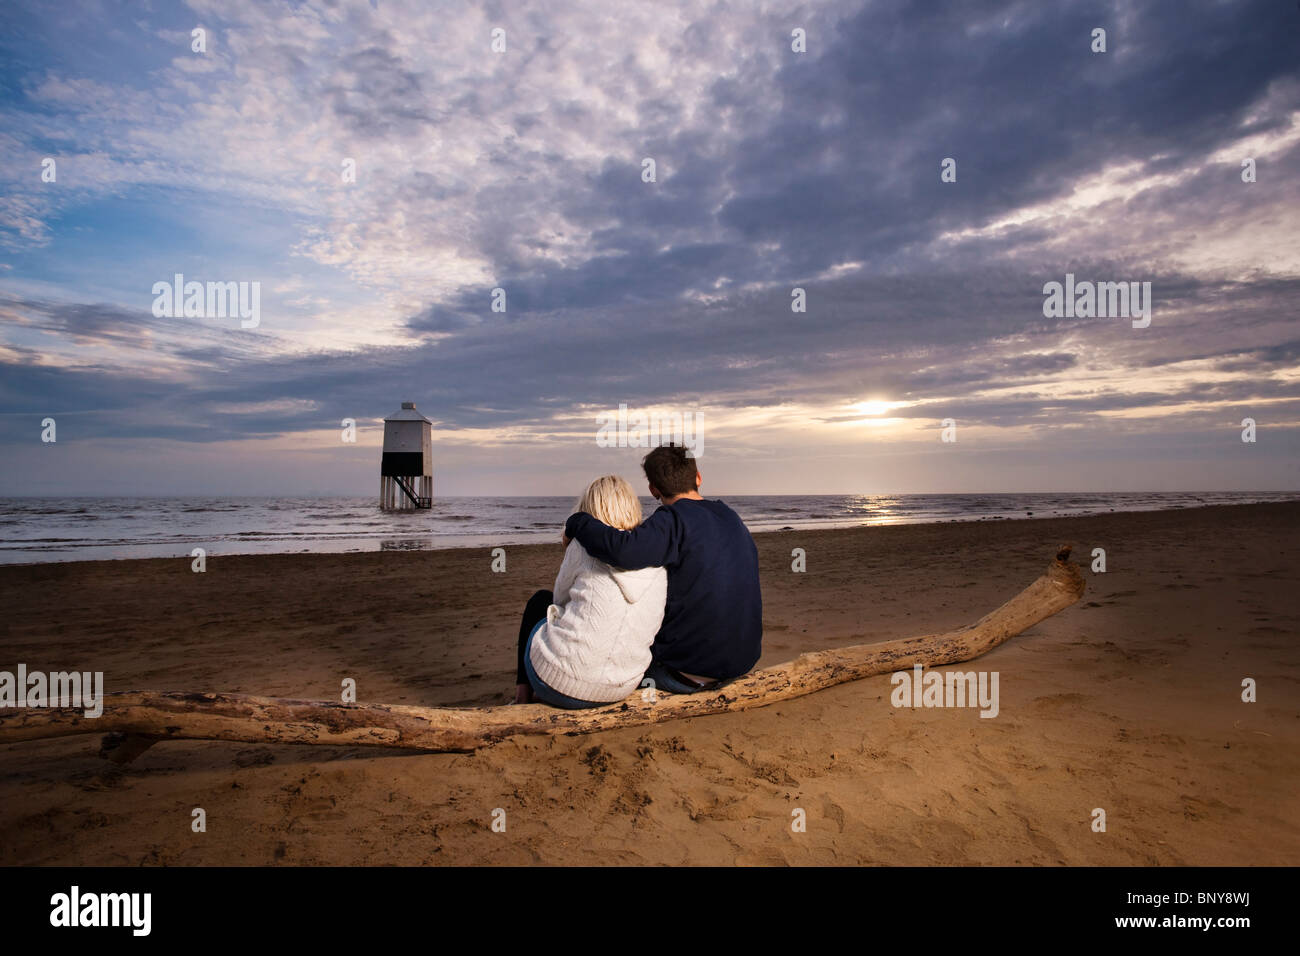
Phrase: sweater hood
(634, 584)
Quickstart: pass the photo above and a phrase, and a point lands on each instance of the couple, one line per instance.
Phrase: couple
(672, 603)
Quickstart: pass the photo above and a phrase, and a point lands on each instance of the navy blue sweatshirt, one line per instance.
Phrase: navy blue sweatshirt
(713, 621)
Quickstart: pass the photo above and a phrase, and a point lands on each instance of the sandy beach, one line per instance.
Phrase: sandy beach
(1129, 701)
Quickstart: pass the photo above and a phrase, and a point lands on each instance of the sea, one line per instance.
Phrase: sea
(84, 529)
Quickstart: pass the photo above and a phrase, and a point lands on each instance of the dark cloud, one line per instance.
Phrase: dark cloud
(906, 338)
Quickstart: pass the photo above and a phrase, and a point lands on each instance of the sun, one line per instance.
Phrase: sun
(871, 408)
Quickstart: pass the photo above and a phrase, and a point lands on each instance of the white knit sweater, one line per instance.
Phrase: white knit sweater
(595, 643)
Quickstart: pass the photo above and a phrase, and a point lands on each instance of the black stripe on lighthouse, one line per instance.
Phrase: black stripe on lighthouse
(404, 463)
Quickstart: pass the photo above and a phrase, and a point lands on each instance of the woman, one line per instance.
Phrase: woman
(588, 643)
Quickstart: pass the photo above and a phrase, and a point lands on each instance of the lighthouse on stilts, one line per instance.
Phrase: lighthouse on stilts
(406, 471)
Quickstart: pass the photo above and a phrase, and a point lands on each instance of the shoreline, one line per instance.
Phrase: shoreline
(540, 539)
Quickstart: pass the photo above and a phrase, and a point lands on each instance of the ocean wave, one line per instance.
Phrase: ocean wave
(90, 528)
(25, 542)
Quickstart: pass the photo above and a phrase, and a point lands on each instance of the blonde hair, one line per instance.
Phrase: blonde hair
(611, 499)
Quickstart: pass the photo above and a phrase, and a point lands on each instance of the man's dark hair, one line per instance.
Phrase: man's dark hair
(670, 470)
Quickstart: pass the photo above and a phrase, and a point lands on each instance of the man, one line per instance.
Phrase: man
(713, 620)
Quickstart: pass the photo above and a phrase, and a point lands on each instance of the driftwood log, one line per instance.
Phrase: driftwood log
(137, 719)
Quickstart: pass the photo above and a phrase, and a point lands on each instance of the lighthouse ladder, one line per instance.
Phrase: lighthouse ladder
(418, 500)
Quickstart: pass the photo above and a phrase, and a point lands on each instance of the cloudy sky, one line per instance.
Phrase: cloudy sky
(522, 170)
